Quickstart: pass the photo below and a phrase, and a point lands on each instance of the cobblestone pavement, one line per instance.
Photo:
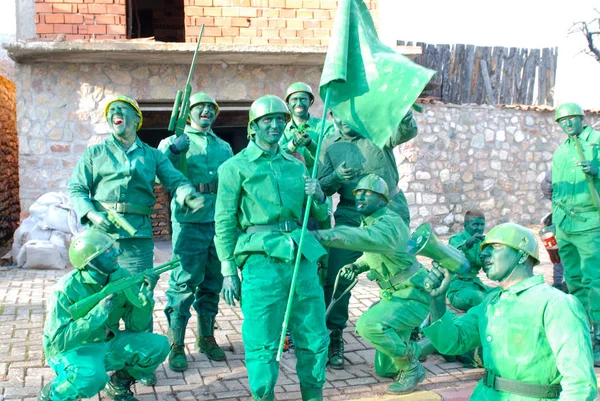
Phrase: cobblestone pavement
(23, 372)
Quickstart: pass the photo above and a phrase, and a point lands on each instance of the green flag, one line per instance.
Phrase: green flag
(372, 86)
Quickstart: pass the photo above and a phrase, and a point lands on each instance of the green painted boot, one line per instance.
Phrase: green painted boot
(205, 342)
(407, 380)
(119, 387)
(45, 394)
(148, 380)
(336, 349)
(177, 360)
(311, 394)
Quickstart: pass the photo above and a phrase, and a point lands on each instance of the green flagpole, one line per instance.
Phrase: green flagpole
(315, 169)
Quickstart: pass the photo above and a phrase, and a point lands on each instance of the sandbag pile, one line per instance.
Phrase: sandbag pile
(42, 240)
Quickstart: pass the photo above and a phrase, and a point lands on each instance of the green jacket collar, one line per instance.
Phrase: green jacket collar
(136, 144)
(341, 137)
(190, 130)
(253, 151)
(583, 136)
(371, 218)
(526, 284)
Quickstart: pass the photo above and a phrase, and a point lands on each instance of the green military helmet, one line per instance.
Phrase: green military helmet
(126, 99)
(374, 183)
(299, 87)
(87, 245)
(268, 104)
(201, 97)
(567, 110)
(514, 236)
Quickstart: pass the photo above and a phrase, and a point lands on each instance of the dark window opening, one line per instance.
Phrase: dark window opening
(161, 19)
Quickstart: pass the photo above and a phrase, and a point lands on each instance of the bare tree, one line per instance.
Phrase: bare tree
(591, 31)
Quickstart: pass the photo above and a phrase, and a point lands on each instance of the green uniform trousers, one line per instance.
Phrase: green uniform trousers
(136, 255)
(265, 287)
(345, 215)
(81, 372)
(580, 255)
(466, 293)
(387, 326)
(198, 281)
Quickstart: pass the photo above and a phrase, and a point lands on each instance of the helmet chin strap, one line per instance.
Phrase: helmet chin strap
(512, 267)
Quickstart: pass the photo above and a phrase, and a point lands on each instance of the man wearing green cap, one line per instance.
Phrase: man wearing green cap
(346, 158)
(259, 206)
(81, 351)
(535, 338)
(575, 212)
(197, 282)
(302, 132)
(119, 174)
(404, 303)
(466, 290)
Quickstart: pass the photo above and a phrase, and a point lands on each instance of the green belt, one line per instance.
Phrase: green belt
(122, 207)
(400, 277)
(491, 380)
(573, 212)
(210, 188)
(284, 226)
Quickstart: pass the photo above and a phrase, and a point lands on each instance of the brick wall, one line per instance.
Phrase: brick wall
(243, 22)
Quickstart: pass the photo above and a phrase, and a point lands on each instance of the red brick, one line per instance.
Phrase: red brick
(115, 9)
(242, 22)
(328, 4)
(223, 22)
(63, 8)
(241, 3)
(43, 28)
(230, 12)
(54, 1)
(248, 11)
(82, 9)
(208, 39)
(231, 31)
(293, 3)
(76, 37)
(105, 19)
(311, 24)
(321, 14)
(259, 22)
(103, 1)
(65, 28)
(259, 41)
(252, 32)
(192, 10)
(97, 29)
(269, 33)
(310, 3)
(276, 41)
(224, 41)
(97, 8)
(203, 2)
(312, 42)
(288, 33)
(294, 41)
(212, 11)
(321, 33)
(88, 19)
(74, 19)
(305, 34)
(304, 14)
(212, 31)
(276, 23)
(115, 29)
(276, 3)
(326, 23)
(270, 13)
(325, 41)
(241, 41)
(287, 13)
(260, 3)
(42, 8)
(202, 20)
(221, 3)
(54, 19)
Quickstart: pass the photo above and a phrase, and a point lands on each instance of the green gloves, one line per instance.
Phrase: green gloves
(344, 174)
(180, 145)
(231, 289)
(350, 272)
(313, 188)
(194, 201)
(147, 291)
(588, 168)
(301, 138)
(437, 281)
(99, 220)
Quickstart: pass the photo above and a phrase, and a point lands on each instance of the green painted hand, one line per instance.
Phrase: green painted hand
(194, 201)
(437, 281)
(231, 289)
(182, 143)
(349, 272)
(99, 220)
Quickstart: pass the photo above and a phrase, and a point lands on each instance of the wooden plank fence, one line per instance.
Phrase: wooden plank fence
(492, 75)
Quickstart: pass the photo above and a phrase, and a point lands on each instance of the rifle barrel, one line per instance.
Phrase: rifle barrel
(195, 54)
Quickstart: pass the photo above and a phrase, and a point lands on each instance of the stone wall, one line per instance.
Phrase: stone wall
(464, 157)
(9, 161)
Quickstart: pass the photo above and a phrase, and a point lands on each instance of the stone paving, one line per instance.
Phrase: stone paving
(23, 372)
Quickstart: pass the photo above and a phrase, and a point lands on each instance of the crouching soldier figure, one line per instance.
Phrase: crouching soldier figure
(81, 351)
(382, 236)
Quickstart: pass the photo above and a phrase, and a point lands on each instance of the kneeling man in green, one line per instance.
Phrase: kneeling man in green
(81, 351)
(404, 303)
(535, 339)
(259, 204)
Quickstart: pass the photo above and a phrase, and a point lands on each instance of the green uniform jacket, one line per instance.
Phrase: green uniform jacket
(257, 189)
(62, 333)
(473, 254)
(206, 153)
(107, 173)
(382, 237)
(361, 154)
(572, 207)
(531, 333)
(314, 125)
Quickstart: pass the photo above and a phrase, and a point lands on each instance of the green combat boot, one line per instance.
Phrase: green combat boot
(45, 394)
(596, 343)
(177, 360)
(411, 373)
(206, 342)
(148, 380)
(119, 387)
(311, 394)
(336, 349)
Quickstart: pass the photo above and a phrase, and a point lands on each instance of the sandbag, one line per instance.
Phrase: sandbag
(40, 254)
(21, 235)
(39, 208)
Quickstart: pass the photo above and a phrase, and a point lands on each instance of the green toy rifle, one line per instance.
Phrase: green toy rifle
(120, 222)
(589, 178)
(82, 308)
(181, 106)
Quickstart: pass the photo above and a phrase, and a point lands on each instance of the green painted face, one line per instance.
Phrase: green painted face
(299, 103)
(343, 127)
(368, 202)
(202, 115)
(122, 118)
(475, 226)
(106, 262)
(571, 125)
(269, 130)
(498, 261)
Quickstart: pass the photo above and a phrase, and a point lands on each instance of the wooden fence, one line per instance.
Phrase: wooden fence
(493, 75)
